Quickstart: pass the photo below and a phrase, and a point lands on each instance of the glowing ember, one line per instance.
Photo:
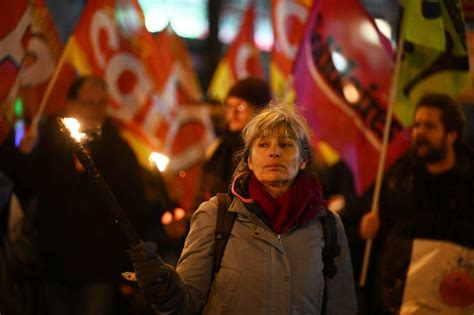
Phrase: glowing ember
(161, 161)
(73, 126)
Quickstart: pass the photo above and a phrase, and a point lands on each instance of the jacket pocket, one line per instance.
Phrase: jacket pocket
(226, 289)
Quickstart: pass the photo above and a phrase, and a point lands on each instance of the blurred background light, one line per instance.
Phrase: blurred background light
(187, 17)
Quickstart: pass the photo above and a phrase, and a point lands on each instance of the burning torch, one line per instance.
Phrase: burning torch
(71, 127)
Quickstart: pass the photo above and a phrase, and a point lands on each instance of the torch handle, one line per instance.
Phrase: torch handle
(117, 212)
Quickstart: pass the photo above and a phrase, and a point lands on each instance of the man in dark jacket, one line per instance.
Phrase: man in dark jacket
(428, 194)
(82, 249)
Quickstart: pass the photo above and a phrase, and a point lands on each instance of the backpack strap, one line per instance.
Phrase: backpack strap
(225, 221)
(331, 248)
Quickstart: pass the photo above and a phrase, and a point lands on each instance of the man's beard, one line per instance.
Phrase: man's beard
(434, 154)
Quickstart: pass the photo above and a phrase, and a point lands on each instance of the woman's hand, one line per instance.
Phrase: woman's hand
(161, 284)
(149, 267)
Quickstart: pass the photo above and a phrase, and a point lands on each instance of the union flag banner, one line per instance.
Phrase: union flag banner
(173, 53)
(29, 51)
(241, 60)
(177, 68)
(111, 41)
(435, 58)
(342, 80)
(289, 18)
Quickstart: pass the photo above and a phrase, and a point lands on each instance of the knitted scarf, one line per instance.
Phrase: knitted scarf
(299, 204)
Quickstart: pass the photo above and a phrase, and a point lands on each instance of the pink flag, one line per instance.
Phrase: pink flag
(342, 79)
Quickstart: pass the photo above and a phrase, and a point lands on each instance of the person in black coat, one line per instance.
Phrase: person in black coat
(81, 247)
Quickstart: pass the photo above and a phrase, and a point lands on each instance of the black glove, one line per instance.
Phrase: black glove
(160, 283)
(149, 267)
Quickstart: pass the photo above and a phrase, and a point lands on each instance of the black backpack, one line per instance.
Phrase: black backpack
(225, 221)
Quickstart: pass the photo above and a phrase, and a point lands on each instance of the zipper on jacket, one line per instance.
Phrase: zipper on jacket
(279, 238)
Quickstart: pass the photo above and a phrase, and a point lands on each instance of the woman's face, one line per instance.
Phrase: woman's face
(276, 160)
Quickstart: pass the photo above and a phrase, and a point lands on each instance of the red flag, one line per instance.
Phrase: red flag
(176, 62)
(111, 41)
(174, 56)
(15, 31)
(342, 80)
(241, 60)
(289, 18)
(44, 51)
(29, 51)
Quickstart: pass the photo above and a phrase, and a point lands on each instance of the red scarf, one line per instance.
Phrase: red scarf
(299, 204)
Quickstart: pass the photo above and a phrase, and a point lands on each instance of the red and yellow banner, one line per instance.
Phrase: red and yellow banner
(241, 60)
(289, 18)
(342, 82)
(147, 83)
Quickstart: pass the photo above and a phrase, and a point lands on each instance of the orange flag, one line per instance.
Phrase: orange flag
(144, 83)
(289, 18)
(241, 60)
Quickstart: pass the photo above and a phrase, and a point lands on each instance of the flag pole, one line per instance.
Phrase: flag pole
(51, 83)
(381, 165)
(12, 94)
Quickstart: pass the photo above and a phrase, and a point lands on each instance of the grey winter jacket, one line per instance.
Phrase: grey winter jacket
(261, 272)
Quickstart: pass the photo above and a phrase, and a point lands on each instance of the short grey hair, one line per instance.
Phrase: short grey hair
(277, 117)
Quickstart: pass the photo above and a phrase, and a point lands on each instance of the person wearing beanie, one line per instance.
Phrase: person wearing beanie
(242, 102)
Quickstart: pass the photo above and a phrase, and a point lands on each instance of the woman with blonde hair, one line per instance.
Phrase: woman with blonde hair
(272, 263)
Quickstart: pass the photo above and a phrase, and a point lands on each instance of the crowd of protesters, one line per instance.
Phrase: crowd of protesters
(62, 253)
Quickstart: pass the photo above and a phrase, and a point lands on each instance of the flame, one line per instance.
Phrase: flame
(161, 161)
(73, 126)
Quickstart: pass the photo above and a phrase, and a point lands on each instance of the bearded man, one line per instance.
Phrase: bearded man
(428, 194)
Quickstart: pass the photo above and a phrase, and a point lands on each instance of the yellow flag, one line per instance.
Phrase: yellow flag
(436, 63)
(423, 23)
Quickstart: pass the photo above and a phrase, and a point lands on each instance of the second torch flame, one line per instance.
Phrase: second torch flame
(74, 126)
(161, 161)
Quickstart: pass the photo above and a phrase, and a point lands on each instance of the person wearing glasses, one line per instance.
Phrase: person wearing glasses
(243, 101)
